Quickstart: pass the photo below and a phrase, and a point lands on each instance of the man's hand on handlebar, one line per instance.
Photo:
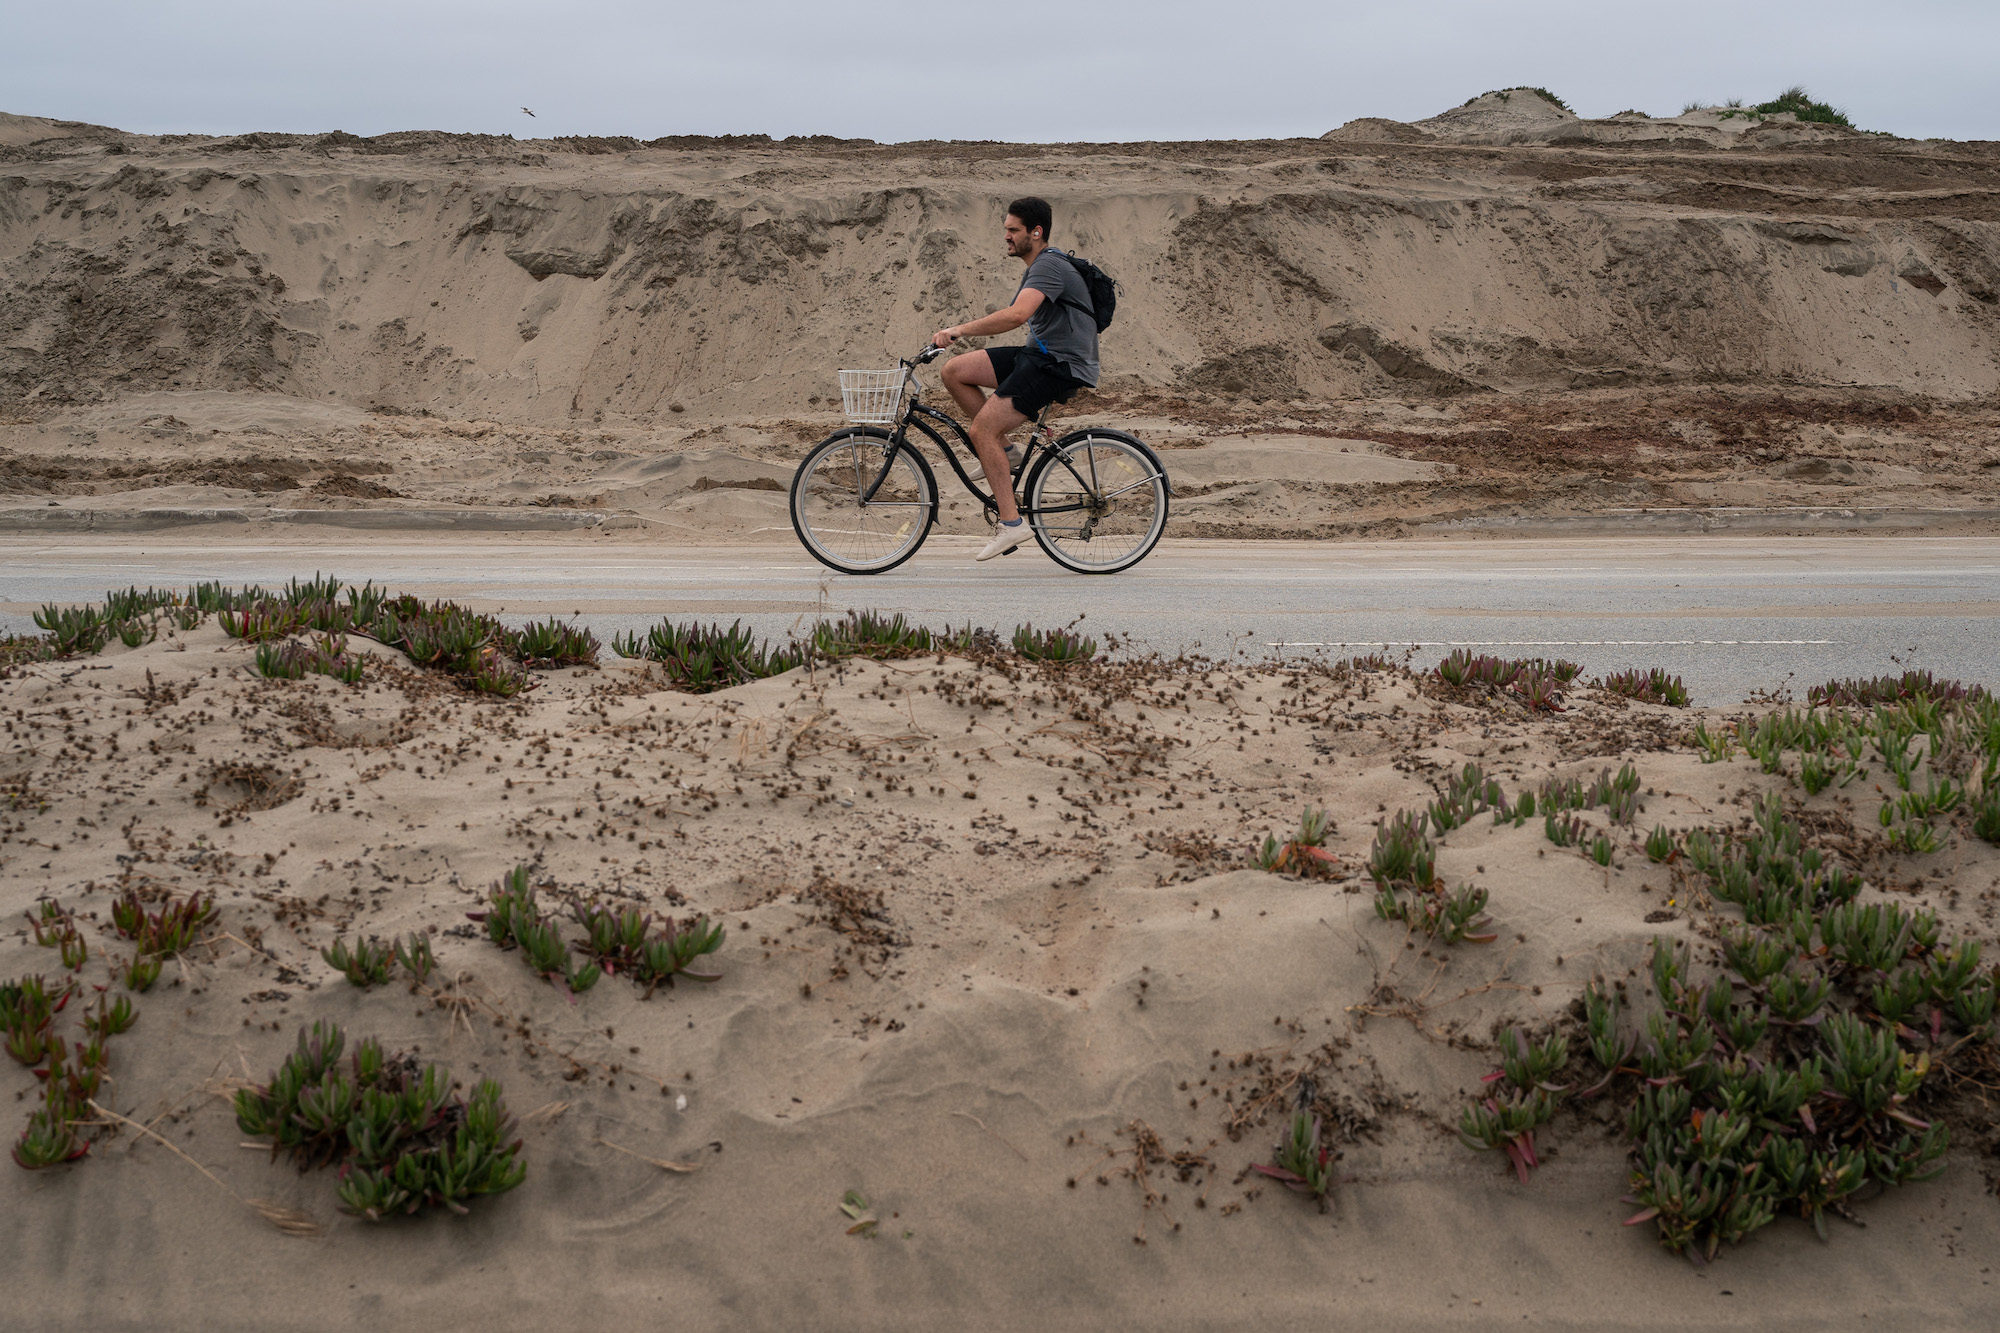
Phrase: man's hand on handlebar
(944, 338)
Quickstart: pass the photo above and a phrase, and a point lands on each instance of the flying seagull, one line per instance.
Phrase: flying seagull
(527, 112)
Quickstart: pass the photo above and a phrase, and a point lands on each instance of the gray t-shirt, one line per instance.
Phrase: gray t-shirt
(1057, 328)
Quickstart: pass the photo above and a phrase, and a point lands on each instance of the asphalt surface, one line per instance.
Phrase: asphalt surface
(1731, 615)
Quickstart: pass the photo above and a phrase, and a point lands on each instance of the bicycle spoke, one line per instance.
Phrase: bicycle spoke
(833, 519)
(1099, 529)
(1144, 481)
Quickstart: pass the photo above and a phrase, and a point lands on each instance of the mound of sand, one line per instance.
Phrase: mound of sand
(1508, 115)
(700, 284)
(1524, 116)
(994, 955)
(1375, 129)
(488, 326)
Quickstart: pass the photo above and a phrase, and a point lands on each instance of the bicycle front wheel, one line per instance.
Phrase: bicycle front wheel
(840, 528)
(1098, 502)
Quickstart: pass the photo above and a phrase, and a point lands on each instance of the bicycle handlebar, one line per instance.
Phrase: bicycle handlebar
(928, 355)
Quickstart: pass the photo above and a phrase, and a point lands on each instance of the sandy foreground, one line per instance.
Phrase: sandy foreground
(996, 954)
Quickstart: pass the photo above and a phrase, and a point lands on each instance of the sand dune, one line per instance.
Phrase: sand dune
(1779, 315)
(986, 922)
(555, 280)
(1702, 315)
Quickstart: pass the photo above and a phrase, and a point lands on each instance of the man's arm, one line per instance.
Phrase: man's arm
(1000, 321)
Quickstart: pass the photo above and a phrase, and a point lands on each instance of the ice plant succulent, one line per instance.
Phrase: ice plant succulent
(1647, 686)
(552, 643)
(1791, 1081)
(1304, 853)
(1467, 793)
(625, 941)
(166, 931)
(1053, 645)
(402, 1137)
(1508, 1124)
(51, 1138)
(28, 1009)
(366, 964)
(514, 920)
(1506, 1119)
(702, 658)
(413, 954)
(1303, 1160)
(1403, 864)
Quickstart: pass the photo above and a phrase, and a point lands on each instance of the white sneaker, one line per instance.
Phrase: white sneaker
(1015, 453)
(1006, 539)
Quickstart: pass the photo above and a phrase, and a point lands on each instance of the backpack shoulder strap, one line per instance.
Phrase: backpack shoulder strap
(1075, 263)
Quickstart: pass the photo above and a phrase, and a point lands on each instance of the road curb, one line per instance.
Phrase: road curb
(1744, 519)
(57, 519)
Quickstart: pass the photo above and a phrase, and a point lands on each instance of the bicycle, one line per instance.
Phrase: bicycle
(864, 499)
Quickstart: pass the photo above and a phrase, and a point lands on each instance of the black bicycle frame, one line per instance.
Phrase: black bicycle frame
(901, 441)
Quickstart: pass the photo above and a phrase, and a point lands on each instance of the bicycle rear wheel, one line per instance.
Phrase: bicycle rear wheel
(1098, 502)
(837, 528)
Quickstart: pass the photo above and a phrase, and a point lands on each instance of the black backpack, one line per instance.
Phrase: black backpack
(1103, 291)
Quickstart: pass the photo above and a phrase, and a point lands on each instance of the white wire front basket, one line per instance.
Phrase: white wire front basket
(872, 397)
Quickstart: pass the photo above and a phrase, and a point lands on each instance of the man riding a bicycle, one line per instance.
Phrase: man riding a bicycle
(1060, 358)
(1095, 499)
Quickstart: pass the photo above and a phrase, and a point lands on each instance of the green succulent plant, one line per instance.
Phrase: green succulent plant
(366, 964)
(1304, 853)
(1053, 645)
(1303, 1161)
(552, 643)
(1716, 746)
(414, 955)
(109, 1019)
(141, 971)
(51, 1138)
(1508, 1125)
(1467, 793)
(402, 1138)
(1891, 689)
(1792, 1081)
(702, 658)
(1648, 685)
(1986, 813)
(166, 931)
(1609, 1046)
(1403, 852)
(872, 634)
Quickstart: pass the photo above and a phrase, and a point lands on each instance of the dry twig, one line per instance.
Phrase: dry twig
(291, 1221)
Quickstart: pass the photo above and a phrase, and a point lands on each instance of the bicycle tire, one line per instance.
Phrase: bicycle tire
(866, 549)
(1056, 482)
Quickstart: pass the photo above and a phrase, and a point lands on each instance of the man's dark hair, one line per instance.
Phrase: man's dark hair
(1033, 213)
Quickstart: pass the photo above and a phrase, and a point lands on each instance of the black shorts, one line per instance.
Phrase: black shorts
(1034, 381)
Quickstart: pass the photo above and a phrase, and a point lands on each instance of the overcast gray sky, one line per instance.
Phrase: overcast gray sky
(1067, 70)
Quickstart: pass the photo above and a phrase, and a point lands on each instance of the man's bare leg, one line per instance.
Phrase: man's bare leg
(989, 440)
(966, 378)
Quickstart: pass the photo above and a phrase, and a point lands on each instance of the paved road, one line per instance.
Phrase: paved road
(1729, 614)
